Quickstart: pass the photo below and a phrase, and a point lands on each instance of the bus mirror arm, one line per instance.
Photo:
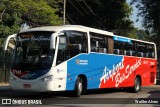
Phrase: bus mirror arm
(5, 47)
(52, 41)
(7, 40)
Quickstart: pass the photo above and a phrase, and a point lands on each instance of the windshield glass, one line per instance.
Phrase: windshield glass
(33, 51)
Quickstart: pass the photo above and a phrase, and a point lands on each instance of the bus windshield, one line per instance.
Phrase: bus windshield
(33, 51)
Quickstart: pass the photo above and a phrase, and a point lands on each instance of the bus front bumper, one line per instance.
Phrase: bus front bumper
(39, 85)
(32, 86)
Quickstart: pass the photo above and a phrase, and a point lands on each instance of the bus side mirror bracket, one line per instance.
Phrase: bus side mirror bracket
(7, 41)
(53, 40)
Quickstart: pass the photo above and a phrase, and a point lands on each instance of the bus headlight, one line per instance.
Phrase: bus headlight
(11, 78)
(46, 79)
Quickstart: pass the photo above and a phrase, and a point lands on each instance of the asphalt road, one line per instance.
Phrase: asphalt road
(147, 97)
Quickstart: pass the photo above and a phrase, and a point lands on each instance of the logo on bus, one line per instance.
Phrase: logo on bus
(107, 73)
(116, 74)
(81, 62)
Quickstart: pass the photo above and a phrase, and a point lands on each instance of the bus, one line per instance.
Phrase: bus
(77, 58)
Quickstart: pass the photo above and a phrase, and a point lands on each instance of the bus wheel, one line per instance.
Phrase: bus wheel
(137, 85)
(78, 87)
(44, 93)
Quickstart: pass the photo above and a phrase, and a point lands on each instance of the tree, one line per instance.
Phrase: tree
(14, 13)
(103, 14)
(149, 10)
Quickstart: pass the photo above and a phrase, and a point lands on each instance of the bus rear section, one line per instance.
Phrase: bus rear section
(113, 62)
(111, 71)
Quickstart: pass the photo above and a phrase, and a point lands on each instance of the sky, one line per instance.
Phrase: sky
(134, 17)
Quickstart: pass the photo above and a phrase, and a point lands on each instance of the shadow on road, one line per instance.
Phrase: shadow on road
(36, 95)
(155, 97)
(67, 98)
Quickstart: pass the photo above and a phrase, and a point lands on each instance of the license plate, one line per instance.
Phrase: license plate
(26, 85)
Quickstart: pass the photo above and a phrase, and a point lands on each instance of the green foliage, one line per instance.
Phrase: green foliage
(14, 13)
(133, 34)
(150, 11)
(139, 34)
(39, 13)
(103, 14)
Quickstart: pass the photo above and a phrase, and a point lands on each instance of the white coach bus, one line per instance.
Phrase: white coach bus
(76, 58)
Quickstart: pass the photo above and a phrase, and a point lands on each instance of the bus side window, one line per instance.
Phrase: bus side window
(76, 43)
(116, 51)
(98, 43)
(129, 49)
(151, 50)
(118, 48)
(141, 50)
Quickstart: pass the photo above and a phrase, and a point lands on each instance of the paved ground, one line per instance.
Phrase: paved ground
(94, 98)
(4, 86)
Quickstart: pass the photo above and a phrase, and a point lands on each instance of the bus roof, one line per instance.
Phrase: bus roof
(68, 27)
(78, 28)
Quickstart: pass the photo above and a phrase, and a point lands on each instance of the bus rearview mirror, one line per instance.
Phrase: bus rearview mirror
(52, 41)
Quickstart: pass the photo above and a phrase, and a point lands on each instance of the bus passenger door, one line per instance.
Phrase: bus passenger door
(8, 49)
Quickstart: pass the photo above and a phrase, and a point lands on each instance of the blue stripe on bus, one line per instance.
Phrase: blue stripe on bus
(92, 66)
(116, 38)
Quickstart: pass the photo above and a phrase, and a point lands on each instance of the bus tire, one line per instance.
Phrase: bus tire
(137, 85)
(44, 93)
(78, 87)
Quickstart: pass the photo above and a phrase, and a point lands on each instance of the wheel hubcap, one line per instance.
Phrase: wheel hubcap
(79, 88)
(138, 85)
